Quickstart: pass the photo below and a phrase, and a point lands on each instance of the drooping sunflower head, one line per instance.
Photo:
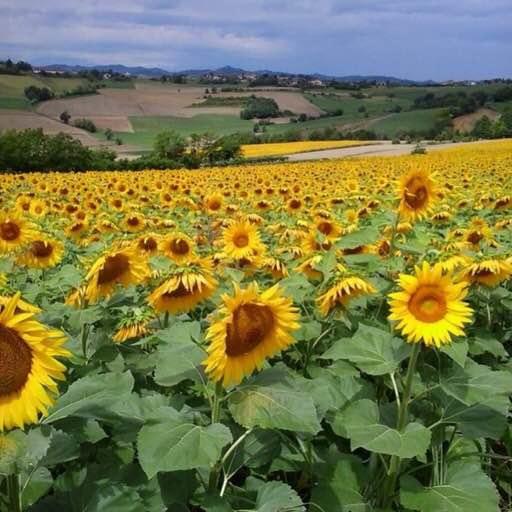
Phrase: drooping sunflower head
(242, 240)
(344, 288)
(178, 246)
(488, 272)
(42, 252)
(134, 325)
(28, 365)
(430, 308)
(249, 328)
(417, 193)
(122, 266)
(185, 288)
(15, 232)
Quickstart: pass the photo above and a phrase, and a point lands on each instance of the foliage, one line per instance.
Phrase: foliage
(85, 124)
(260, 108)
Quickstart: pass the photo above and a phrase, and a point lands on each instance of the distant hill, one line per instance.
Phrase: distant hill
(223, 71)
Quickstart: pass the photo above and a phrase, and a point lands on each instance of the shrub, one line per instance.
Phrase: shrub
(260, 108)
(85, 124)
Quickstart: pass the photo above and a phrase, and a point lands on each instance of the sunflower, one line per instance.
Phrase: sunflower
(135, 325)
(185, 289)
(249, 328)
(490, 272)
(178, 246)
(147, 244)
(417, 194)
(14, 232)
(345, 288)
(213, 203)
(430, 306)
(28, 365)
(242, 240)
(117, 267)
(42, 253)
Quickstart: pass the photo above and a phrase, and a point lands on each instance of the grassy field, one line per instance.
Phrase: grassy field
(146, 128)
(416, 120)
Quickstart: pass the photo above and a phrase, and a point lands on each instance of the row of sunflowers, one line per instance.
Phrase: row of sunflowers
(320, 336)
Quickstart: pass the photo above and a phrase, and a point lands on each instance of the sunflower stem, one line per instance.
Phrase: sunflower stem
(85, 335)
(393, 234)
(217, 399)
(14, 493)
(403, 414)
(166, 320)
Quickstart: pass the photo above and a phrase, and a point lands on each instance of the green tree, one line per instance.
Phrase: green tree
(169, 144)
(65, 117)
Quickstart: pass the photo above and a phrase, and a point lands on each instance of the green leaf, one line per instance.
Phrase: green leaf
(488, 419)
(487, 343)
(365, 236)
(178, 445)
(63, 448)
(35, 485)
(180, 332)
(466, 489)
(273, 399)
(476, 383)
(178, 362)
(278, 497)
(457, 351)
(339, 486)
(93, 396)
(115, 498)
(373, 351)
(360, 423)
(297, 287)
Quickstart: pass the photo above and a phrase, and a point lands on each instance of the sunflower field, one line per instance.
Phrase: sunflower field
(324, 336)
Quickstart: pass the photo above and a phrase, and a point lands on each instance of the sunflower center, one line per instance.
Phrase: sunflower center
(251, 324)
(9, 231)
(428, 304)
(148, 244)
(214, 205)
(15, 361)
(241, 240)
(179, 247)
(41, 249)
(181, 291)
(133, 221)
(484, 272)
(295, 204)
(325, 228)
(474, 237)
(114, 267)
(416, 194)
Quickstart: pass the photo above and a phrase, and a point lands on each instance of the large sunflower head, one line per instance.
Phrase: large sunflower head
(417, 193)
(489, 272)
(122, 266)
(15, 232)
(242, 240)
(185, 288)
(42, 252)
(249, 328)
(28, 365)
(429, 308)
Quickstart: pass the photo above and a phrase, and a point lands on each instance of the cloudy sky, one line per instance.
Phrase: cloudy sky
(419, 39)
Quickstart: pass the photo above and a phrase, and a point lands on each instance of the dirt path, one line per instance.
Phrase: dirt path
(382, 148)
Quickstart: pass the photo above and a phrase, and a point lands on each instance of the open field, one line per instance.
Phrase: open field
(467, 122)
(259, 338)
(21, 120)
(290, 148)
(417, 120)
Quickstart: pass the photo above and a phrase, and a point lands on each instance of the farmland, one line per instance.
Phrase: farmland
(320, 336)
(136, 110)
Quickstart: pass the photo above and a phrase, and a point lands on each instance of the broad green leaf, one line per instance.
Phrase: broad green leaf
(35, 485)
(63, 448)
(360, 423)
(365, 236)
(482, 344)
(214, 503)
(177, 487)
(177, 362)
(487, 419)
(115, 498)
(178, 445)
(339, 486)
(297, 287)
(278, 497)
(93, 397)
(467, 489)
(457, 351)
(373, 351)
(273, 399)
(476, 383)
(180, 332)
